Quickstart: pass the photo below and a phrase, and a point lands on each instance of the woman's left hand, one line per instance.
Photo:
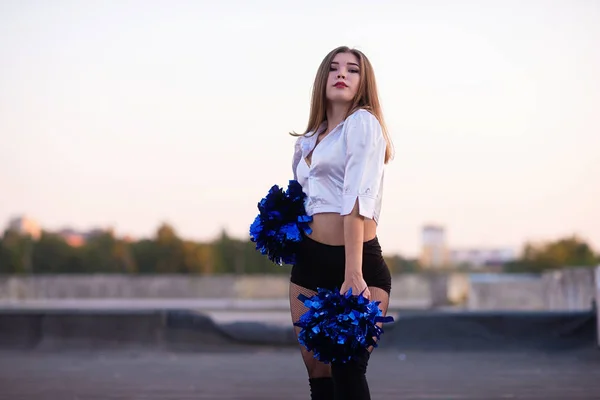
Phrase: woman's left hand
(358, 284)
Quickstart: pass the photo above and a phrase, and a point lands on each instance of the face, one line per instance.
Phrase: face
(343, 79)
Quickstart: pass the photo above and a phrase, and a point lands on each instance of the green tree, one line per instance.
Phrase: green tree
(105, 253)
(206, 258)
(15, 253)
(398, 264)
(170, 250)
(257, 263)
(224, 254)
(52, 254)
(145, 254)
(563, 253)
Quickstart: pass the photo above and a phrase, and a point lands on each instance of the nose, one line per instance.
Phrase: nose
(341, 74)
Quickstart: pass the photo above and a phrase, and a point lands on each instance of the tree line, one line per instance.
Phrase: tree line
(566, 252)
(167, 253)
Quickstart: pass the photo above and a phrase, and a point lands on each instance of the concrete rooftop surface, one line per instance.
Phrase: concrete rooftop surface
(169, 353)
(269, 373)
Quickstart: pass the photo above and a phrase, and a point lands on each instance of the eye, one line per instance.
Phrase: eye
(354, 71)
(332, 69)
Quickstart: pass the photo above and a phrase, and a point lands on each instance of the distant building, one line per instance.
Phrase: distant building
(436, 254)
(25, 226)
(482, 257)
(72, 237)
(76, 238)
(434, 251)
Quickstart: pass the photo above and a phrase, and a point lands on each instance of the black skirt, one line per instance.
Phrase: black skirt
(321, 265)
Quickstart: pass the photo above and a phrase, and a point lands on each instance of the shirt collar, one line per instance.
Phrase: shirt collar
(310, 140)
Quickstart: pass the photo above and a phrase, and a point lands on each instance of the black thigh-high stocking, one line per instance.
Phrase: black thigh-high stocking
(319, 374)
(349, 379)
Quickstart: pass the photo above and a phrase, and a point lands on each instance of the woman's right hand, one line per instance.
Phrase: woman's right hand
(358, 285)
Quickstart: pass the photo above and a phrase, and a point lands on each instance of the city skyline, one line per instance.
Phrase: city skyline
(140, 113)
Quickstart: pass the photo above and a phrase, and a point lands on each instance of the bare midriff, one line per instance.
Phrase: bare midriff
(328, 228)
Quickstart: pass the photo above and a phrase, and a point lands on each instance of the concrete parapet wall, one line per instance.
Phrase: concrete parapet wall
(137, 286)
(569, 289)
(411, 288)
(505, 292)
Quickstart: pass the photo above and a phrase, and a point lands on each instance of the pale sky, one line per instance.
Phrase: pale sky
(129, 113)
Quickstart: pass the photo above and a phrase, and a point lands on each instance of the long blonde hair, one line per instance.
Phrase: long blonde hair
(366, 95)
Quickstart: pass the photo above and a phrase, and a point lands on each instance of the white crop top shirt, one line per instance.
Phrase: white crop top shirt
(348, 164)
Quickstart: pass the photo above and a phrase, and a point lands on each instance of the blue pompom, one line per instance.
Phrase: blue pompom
(278, 227)
(336, 326)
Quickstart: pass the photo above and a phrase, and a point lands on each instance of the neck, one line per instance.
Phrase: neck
(336, 113)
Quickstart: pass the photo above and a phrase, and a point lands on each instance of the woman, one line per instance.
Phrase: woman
(339, 161)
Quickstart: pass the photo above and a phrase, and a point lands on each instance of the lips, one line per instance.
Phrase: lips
(340, 85)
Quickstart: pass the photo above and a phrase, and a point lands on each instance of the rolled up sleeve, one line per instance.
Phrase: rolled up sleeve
(364, 165)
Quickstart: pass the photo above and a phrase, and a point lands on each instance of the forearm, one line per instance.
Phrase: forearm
(353, 242)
